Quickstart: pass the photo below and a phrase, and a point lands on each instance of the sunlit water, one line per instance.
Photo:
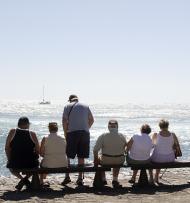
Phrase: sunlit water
(129, 116)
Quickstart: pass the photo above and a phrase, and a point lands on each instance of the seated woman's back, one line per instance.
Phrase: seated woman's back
(164, 143)
(141, 147)
(53, 150)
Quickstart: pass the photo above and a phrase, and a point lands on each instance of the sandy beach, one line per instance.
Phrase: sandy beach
(175, 187)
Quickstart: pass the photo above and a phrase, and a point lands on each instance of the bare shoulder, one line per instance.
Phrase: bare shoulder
(12, 131)
(10, 136)
(43, 140)
(154, 135)
(33, 134)
(174, 135)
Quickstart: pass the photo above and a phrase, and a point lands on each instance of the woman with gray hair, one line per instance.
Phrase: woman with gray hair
(139, 150)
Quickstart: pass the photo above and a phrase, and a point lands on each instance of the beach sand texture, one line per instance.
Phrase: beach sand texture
(175, 188)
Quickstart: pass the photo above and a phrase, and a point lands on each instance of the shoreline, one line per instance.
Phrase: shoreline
(175, 188)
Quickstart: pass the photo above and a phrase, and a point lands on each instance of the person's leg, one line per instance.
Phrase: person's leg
(151, 180)
(67, 178)
(42, 177)
(67, 174)
(18, 175)
(115, 181)
(83, 148)
(115, 174)
(71, 149)
(133, 178)
(156, 178)
(80, 162)
(23, 180)
(103, 174)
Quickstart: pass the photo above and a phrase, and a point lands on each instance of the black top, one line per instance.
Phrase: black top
(22, 153)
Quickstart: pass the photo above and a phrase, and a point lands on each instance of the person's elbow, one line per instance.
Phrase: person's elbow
(95, 151)
(91, 121)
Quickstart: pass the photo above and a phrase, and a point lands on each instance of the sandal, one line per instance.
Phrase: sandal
(79, 182)
(46, 184)
(66, 181)
(116, 184)
(131, 181)
(23, 182)
(104, 182)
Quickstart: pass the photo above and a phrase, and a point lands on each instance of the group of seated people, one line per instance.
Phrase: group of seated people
(111, 148)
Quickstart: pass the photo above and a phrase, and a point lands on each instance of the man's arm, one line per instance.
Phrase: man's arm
(154, 138)
(8, 141)
(65, 122)
(35, 140)
(65, 126)
(90, 119)
(97, 147)
(129, 144)
(42, 147)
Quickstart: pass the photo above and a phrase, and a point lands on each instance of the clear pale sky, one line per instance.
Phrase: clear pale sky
(102, 50)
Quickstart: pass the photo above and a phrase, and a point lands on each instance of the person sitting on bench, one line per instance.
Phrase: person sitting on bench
(112, 146)
(22, 150)
(164, 142)
(139, 150)
(53, 150)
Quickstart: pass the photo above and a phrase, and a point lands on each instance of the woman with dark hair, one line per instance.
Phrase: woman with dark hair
(164, 142)
(22, 150)
(139, 150)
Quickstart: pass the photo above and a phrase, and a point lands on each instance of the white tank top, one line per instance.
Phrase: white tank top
(141, 147)
(164, 145)
(55, 152)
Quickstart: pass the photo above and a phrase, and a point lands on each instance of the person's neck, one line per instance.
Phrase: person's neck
(53, 132)
(164, 132)
(23, 128)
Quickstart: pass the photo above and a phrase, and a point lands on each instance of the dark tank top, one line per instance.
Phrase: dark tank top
(22, 153)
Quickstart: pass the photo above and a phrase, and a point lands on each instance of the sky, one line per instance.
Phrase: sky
(120, 51)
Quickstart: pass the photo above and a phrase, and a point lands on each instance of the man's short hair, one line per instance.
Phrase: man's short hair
(113, 122)
(53, 127)
(146, 129)
(163, 124)
(73, 97)
(23, 121)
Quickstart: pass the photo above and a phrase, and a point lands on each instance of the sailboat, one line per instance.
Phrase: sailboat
(44, 101)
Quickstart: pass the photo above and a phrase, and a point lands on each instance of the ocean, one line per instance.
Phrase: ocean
(130, 118)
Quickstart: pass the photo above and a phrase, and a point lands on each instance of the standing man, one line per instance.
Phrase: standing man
(77, 120)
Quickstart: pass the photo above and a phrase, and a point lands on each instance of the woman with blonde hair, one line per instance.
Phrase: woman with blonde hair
(165, 143)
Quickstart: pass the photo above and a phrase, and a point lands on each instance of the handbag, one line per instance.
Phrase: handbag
(177, 151)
